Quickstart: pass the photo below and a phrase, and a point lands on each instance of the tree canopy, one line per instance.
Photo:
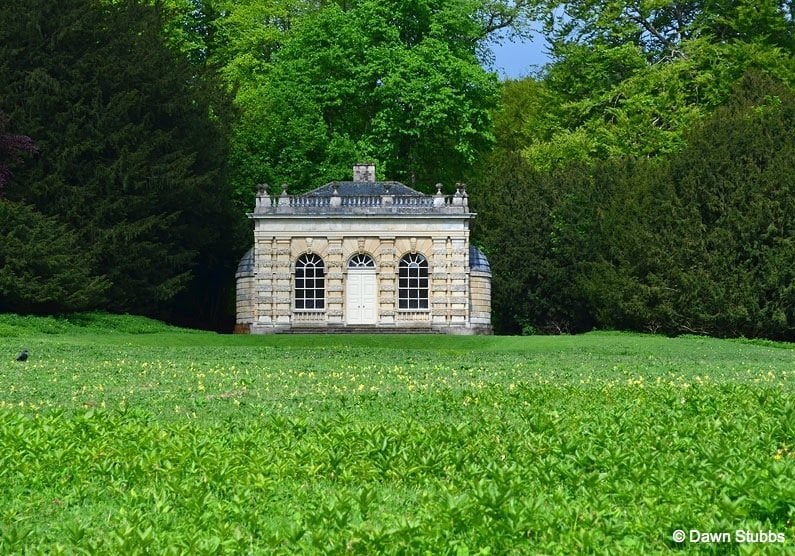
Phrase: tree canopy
(320, 85)
(629, 78)
(700, 241)
(645, 143)
(371, 82)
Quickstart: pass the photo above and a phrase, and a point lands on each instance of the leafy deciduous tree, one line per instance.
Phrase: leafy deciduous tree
(629, 78)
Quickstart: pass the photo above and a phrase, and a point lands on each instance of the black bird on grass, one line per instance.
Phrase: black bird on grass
(23, 356)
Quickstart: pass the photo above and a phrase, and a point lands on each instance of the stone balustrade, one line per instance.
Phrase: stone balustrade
(404, 316)
(361, 204)
(361, 201)
(312, 202)
(308, 317)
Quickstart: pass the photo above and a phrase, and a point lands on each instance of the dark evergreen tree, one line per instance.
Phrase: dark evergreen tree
(41, 270)
(132, 147)
(736, 175)
(630, 259)
(12, 146)
(702, 243)
(519, 227)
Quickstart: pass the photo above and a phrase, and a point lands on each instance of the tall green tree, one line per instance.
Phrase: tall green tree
(40, 266)
(699, 241)
(736, 175)
(131, 148)
(629, 78)
(534, 286)
(394, 82)
(293, 63)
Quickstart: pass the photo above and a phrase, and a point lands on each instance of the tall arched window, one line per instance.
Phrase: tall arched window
(413, 282)
(310, 283)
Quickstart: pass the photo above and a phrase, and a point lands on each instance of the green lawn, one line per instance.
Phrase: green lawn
(123, 436)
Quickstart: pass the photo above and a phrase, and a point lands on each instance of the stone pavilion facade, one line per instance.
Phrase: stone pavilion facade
(363, 256)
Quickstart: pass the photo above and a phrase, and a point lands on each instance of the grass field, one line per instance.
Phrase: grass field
(123, 436)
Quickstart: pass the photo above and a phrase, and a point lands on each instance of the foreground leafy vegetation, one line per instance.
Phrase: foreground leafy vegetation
(178, 442)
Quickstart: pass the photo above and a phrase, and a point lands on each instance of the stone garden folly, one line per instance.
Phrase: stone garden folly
(363, 255)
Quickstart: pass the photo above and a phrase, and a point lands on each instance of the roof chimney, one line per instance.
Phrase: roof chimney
(364, 172)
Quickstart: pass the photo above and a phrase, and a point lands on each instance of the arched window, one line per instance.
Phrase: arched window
(413, 282)
(310, 283)
(361, 261)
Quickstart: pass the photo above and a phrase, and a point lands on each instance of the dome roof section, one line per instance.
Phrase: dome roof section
(478, 261)
(246, 265)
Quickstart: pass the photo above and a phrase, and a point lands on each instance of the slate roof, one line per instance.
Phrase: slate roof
(364, 188)
(478, 261)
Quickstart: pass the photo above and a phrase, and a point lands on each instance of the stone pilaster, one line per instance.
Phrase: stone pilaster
(263, 288)
(438, 283)
(387, 280)
(335, 291)
(282, 282)
(459, 298)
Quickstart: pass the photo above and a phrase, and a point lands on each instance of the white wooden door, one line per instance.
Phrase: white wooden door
(361, 297)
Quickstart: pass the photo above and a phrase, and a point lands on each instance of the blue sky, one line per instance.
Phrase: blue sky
(515, 60)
